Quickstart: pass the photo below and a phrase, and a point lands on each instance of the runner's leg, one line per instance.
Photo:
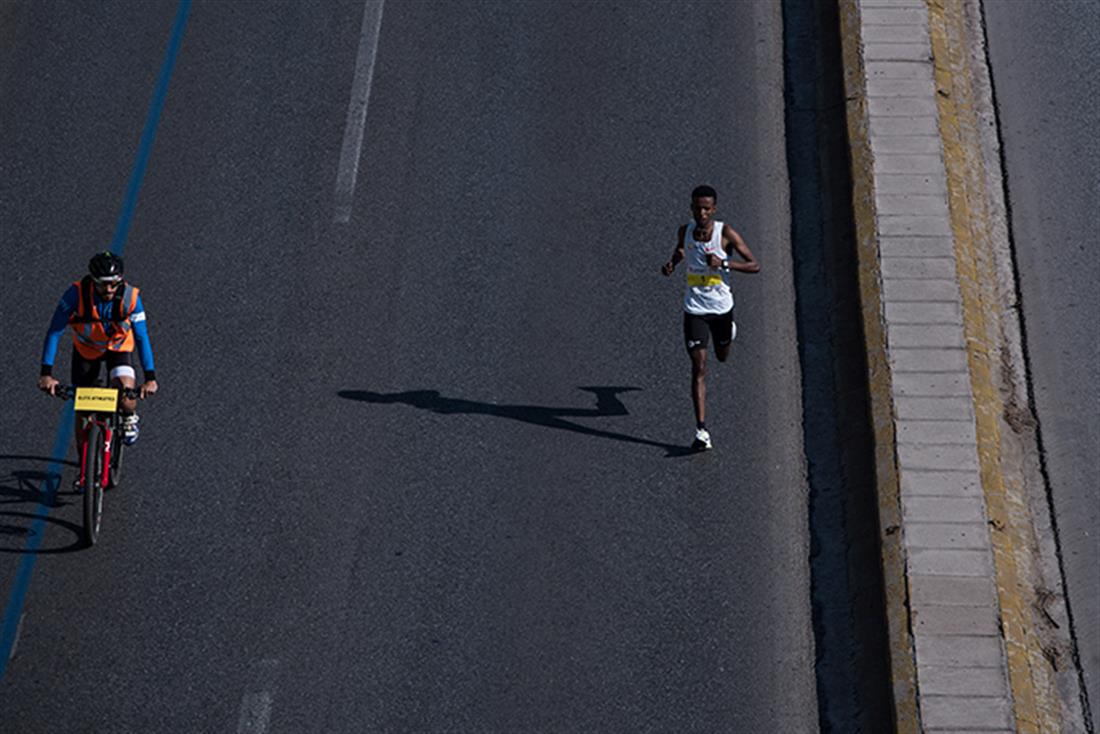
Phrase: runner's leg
(723, 330)
(696, 339)
(699, 384)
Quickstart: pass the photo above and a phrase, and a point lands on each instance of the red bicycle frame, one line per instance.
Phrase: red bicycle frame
(108, 434)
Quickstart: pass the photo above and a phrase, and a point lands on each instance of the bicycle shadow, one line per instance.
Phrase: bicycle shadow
(36, 488)
(608, 404)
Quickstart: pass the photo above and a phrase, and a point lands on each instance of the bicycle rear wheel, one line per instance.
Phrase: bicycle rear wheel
(93, 484)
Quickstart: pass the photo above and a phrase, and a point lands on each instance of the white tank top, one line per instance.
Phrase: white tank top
(707, 291)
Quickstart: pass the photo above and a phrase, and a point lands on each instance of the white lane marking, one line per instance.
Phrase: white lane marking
(255, 713)
(256, 704)
(18, 632)
(348, 171)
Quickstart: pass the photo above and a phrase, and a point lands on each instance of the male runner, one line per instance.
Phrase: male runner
(108, 320)
(708, 301)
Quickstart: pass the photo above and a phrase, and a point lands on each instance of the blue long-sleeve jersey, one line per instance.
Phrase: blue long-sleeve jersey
(67, 306)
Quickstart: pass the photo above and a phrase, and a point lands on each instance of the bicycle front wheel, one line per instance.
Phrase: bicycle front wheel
(116, 458)
(93, 483)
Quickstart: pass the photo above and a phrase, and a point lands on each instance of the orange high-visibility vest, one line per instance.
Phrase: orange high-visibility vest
(91, 336)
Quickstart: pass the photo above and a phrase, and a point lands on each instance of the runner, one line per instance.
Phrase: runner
(708, 301)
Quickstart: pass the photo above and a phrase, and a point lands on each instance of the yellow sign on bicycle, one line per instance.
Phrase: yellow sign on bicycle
(96, 399)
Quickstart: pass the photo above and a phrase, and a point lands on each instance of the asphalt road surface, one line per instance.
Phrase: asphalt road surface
(1045, 68)
(423, 470)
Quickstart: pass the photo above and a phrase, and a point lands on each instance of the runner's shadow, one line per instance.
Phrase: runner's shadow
(607, 404)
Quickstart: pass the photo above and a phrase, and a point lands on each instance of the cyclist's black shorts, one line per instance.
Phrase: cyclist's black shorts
(699, 329)
(86, 372)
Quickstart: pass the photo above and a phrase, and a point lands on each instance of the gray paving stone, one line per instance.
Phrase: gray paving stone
(894, 16)
(934, 408)
(868, 4)
(936, 432)
(927, 144)
(897, 52)
(932, 384)
(910, 70)
(905, 33)
(907, 162)
(900, 107)
(965, 536)
(941, 483)
(898, 290)
(928, 360)
(886, 87)
(938, 457)
(965, 712)
(955, 620)
(965, 510)
(923, 312)
(894, 246)
(929, 205)
(906, 335)
(903, 224)
(959, 652)
(924, 335)
(938, 681)
(942, 562)
(889, 126)
(910, 184)
(939, 268)
(946, 590)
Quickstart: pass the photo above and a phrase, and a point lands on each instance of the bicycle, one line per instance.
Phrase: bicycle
(101, 448)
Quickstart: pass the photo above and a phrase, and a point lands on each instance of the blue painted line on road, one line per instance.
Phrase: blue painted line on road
(48, 492)
(149, 132)
(13, 611)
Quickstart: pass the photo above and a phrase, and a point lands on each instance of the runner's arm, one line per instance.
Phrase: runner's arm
(733, 243)
(677, 254)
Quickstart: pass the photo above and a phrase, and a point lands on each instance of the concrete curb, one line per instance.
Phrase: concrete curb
(957, 534)
(902, 659)
(1034, 707)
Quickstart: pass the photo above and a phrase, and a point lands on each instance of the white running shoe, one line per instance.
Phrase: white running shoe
(130, 429)
(702, 440)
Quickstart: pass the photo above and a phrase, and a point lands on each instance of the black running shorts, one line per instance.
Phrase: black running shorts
(86, 372)
(699, 329)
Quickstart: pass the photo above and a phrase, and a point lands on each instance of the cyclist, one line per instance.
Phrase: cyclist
(108, 320)
(708, 301)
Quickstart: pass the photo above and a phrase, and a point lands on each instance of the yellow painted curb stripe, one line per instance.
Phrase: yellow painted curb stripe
(1035, 701)
(903, 672)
